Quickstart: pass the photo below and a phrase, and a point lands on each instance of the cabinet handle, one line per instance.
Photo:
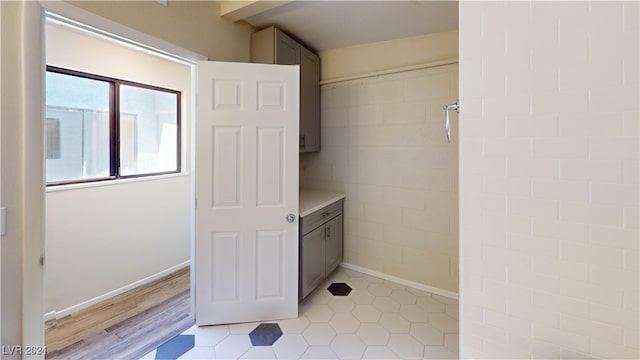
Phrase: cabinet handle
(303, 141)
(328, 232)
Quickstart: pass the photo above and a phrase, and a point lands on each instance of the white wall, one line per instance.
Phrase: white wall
(549, 180)
(101, 238)
(384, 145)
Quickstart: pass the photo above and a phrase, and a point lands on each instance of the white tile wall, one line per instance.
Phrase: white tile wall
(549, 179)
(383, 143)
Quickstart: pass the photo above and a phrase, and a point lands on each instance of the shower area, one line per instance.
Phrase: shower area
(384, 144)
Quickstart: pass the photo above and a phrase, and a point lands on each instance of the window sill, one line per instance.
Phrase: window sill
(77, 186)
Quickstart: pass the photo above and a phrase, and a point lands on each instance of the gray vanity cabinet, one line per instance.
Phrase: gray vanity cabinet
(333, 240)
(321, 246)
(312, 269)
(273, 46)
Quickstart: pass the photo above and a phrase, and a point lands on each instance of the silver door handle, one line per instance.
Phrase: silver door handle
(291, 218)
(447, 122)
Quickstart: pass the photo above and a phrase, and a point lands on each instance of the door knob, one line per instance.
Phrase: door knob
(291, 218)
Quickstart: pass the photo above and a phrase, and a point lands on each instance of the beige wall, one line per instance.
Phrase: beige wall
(10, 87)
(384, 145)
(193, 25)
(549, 180)
(22, 170)
(367, 58)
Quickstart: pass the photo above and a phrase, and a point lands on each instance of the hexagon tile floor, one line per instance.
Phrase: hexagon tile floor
(377, 319)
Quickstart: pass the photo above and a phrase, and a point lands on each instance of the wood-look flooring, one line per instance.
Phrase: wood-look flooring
(126, 326)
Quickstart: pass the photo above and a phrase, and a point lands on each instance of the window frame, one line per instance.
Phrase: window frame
(114, 126)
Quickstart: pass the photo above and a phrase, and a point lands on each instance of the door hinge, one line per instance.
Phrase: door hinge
(41, 260)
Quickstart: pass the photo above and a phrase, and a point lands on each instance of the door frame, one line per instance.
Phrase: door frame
(32, 314)
(3, 220)
(22, 282)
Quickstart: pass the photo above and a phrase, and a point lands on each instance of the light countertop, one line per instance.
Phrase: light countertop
(313, 200)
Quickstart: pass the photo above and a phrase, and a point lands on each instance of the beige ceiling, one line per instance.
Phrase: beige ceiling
(323, 25)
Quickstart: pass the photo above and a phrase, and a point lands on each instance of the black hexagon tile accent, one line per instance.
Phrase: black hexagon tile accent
(175, 347)
(339, 289)
(265, 334)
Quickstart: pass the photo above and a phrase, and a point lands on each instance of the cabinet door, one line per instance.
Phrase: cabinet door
(312, 260)
(263, 46)
(333, 244)
(287, 49)
(309, 101)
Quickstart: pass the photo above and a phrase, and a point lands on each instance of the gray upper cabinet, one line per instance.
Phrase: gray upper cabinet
(272, 46)
(309, 101)
(287, 50)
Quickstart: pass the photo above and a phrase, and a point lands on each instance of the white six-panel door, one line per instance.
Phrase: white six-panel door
(246, 251)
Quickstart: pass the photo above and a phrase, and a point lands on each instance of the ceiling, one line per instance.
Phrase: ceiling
(323, 25)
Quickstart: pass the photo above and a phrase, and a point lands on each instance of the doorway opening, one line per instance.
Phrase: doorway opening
(116, 240)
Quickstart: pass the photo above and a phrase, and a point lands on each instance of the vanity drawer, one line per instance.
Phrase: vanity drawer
(321, 216)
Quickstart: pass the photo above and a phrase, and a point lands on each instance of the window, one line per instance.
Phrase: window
(100, 128)
(53, 138)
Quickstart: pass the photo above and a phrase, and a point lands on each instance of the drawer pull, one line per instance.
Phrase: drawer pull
(315, 219)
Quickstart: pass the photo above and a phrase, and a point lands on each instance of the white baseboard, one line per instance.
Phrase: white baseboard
(75, 308)
(401, 281)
